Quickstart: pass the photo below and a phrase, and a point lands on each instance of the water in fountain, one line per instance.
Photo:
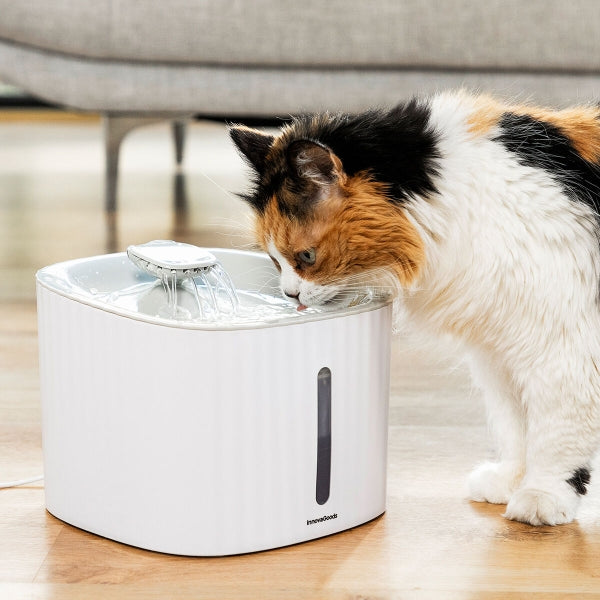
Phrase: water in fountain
(180, 283)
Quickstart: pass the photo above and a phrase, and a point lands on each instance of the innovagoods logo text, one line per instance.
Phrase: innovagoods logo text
(326, 518)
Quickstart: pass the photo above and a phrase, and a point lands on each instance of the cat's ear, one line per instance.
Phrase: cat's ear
(253, 144)
(315, 162)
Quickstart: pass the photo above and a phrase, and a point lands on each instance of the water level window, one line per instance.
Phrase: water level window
(323, 435)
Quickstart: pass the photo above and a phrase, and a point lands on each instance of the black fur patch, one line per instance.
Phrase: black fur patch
(542, 145)
(580, 480)
(397, 147)
(253, 145)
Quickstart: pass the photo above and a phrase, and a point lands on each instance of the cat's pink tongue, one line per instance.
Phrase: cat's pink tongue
(301, 307)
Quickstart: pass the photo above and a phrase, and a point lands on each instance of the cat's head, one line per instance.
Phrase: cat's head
(327, 231)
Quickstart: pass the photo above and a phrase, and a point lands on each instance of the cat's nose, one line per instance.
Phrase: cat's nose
(291, 294)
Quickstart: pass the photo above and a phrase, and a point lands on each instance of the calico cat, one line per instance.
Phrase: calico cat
(487, 216)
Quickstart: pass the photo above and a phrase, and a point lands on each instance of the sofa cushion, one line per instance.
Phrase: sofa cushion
(495, 34)
(140, 88)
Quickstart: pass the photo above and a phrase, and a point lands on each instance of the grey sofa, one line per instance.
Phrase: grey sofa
(140, 61)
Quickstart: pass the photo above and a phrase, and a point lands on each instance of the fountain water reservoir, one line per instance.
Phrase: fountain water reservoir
(220, 427)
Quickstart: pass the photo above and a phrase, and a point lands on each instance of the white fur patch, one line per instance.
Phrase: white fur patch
(513, 271)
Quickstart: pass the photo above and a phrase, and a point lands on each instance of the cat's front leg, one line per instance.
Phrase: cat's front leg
(552, 502)
(549, 496)
(562, 436)
(496, 481)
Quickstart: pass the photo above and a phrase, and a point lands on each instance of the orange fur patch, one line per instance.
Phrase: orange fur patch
(355, 230)
(486, 114)
(581, 125)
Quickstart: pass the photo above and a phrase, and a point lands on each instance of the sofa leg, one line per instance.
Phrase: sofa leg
(116, 127)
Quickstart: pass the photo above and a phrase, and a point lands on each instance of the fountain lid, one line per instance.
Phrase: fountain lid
(170, 255)
(116, 284)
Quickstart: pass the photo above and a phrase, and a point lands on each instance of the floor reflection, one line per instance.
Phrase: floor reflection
(180, 205)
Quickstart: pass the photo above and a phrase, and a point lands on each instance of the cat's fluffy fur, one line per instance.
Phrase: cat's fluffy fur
(487, 215)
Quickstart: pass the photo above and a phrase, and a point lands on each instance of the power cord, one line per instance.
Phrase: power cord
(9, 484)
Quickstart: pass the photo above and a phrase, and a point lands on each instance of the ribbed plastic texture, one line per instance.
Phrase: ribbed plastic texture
(143, 446)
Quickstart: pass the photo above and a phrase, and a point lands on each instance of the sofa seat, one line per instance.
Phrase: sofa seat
(272, 58)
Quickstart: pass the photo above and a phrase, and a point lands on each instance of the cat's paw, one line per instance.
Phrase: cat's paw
(494, 482)
(542, 507)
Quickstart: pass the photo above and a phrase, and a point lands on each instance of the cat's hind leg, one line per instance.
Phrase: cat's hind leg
(496, 481)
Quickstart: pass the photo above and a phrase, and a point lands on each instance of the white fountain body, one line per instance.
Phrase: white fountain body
(209, 438)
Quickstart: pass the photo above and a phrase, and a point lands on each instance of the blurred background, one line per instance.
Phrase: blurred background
(112, 112)
(113, 132)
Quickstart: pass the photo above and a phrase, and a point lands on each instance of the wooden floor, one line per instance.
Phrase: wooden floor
(431, 543)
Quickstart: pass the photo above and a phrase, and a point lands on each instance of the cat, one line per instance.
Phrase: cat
(486, 214)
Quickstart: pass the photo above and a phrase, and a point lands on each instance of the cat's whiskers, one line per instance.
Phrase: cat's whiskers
(272, 282)
(219, 186)
(376, 279)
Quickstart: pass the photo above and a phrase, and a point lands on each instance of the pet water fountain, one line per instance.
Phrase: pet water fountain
(188, 408)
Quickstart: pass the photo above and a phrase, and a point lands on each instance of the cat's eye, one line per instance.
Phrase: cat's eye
(307, 257)
(276, 263)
